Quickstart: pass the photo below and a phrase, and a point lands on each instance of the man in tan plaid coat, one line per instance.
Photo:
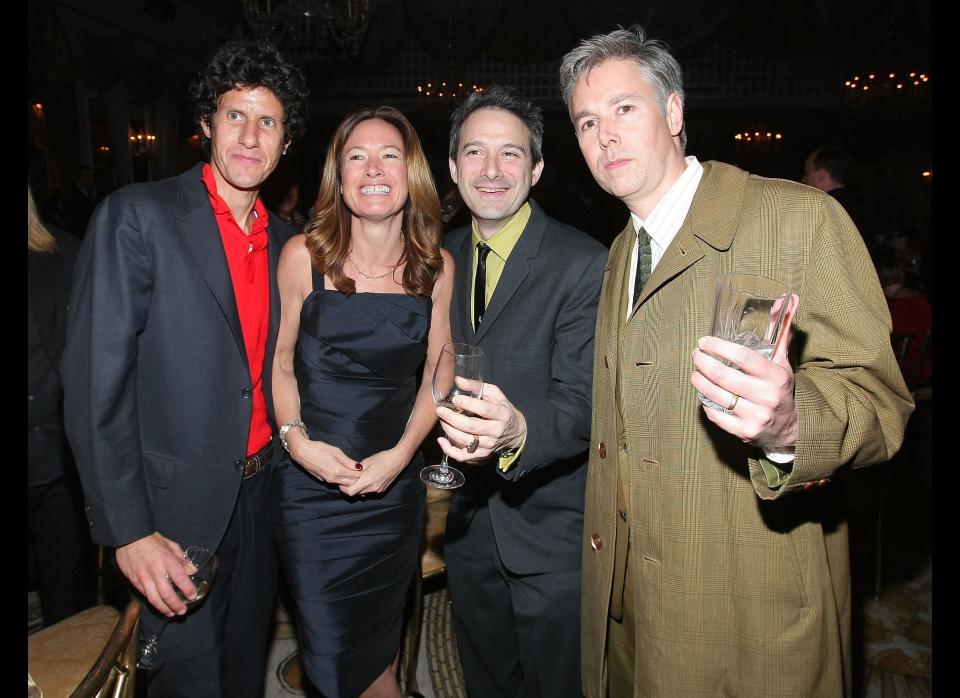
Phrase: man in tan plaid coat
(715, 556)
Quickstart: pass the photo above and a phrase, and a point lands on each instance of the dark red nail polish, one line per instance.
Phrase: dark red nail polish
(358, 466)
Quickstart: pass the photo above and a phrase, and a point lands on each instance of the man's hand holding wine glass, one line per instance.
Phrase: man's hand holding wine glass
(494, 421)
(200, 564)
(154, 564)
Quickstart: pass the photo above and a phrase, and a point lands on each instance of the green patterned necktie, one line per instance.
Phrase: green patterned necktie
(644, 262)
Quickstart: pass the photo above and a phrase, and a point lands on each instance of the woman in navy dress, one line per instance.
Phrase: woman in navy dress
(365, 295)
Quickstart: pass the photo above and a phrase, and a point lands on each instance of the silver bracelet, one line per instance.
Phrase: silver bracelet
(295, 424)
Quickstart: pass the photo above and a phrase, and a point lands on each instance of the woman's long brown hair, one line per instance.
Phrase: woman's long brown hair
(328, 230)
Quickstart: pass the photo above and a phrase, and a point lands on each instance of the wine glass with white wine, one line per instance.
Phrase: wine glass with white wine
(458, 372)
(203, 562)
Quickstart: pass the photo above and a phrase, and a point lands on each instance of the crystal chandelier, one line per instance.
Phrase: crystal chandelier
(882, 88)
(438, 98)
(759, 140)
(891, 85)
(304, 29)
(757, 136)
(451, 94)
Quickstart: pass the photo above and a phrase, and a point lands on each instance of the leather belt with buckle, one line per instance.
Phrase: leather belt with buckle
(258, 461)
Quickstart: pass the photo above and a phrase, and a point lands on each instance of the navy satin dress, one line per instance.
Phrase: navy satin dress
(349, 562)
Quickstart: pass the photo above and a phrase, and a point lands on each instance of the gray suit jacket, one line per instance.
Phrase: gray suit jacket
(156, 379)
(537, 337)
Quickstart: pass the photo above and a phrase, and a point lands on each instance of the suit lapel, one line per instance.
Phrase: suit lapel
(616, 272)
(198, 226)
(682, 253)
(462, 253)
(274, 246)
(516, 269)
(712, 220)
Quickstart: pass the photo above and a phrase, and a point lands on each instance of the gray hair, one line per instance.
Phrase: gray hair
(509, 100)
(653, 58)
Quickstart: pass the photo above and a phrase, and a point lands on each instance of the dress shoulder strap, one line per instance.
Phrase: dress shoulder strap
(319, 280)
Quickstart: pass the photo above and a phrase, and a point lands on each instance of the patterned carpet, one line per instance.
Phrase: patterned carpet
(893, 634)
(440, 649)
(898, 639)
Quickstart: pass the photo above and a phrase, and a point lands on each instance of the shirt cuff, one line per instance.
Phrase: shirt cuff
(506, 462)
(781, 455)
(777, 466)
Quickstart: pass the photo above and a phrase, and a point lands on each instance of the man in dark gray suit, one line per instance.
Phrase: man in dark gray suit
(170, 337)
(526, 292)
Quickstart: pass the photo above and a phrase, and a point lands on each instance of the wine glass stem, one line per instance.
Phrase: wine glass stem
(156, 635)
(443, 464)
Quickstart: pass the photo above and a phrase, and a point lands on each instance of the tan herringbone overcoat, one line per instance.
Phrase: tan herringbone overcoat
(741, 590)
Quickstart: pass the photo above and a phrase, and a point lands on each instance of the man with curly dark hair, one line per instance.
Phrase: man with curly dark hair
(173, 319)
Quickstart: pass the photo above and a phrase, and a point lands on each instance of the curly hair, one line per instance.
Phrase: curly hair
(250, 63)
(328, 230)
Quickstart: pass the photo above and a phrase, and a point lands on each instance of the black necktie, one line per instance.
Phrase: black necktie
(480, 284)
(644, 262)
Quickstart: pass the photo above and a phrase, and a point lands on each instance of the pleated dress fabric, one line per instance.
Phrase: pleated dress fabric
(349, 561)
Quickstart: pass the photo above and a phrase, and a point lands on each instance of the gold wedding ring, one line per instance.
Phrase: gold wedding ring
(473, 444)
(733, 402)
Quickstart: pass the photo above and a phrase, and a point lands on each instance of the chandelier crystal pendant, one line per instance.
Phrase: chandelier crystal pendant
(305, 29)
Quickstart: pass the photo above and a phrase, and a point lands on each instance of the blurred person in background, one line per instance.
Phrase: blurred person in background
(77, 205)
(57, 532)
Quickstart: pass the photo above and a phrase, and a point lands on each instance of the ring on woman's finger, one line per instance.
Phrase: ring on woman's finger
(473, 444)
(733, 402)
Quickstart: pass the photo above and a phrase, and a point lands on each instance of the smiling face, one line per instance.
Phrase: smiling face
(373, 171)
(494, 169)
(631, 147)
(246, 138)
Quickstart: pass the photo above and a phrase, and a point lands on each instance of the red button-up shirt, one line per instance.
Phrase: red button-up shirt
(248, 261)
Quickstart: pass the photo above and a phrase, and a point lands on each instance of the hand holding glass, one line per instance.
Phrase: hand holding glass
(201, 563)
(749, 311)
(458, 372)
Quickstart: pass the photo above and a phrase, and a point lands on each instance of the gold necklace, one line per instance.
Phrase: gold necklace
(367, 276)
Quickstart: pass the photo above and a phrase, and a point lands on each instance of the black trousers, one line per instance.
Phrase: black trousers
(220, 648)
(518, 635)
(60, 541)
